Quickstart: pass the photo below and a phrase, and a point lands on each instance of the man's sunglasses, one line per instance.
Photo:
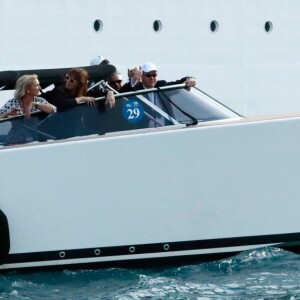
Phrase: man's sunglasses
(150, 75)
(116, 81)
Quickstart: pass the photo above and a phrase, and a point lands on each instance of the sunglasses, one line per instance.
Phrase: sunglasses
(150, 75)
(116, 81)
(70, 79)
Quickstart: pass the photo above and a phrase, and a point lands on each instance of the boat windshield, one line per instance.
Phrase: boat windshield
(170, 106)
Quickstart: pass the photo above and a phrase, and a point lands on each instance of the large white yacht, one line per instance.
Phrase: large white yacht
(245, 53)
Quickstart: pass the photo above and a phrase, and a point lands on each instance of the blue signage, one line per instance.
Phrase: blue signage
(133, 111)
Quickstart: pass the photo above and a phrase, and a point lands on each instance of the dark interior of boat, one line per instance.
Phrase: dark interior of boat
(53, 76)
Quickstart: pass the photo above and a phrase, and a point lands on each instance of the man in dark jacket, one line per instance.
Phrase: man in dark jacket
(149, 81)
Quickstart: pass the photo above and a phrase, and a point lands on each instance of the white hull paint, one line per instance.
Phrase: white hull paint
(250, 70)
(219, 187)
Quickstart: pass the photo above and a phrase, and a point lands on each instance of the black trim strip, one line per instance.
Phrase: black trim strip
(158, 262)
(284, 239)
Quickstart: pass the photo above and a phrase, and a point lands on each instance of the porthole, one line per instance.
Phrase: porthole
(97, 252)
(157, 25)
(166, 247)
(214, 26)
(98, 25)
(268, 26)
(131, 249)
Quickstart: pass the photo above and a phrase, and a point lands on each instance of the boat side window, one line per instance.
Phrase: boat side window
(185, 104)
(137, 110)
(130, 113)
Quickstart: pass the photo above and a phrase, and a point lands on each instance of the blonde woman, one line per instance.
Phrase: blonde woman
(26, 100)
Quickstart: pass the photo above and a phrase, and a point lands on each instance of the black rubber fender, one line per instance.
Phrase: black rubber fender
(4, 237)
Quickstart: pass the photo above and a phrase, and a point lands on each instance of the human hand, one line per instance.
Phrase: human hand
(110, 99)
(135, 73)
(15, 111)
(12, 112)
(190, 82)
(90, 101)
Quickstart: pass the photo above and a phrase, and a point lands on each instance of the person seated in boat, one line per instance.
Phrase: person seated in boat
(74, 91)
(115, 81)
(134, 76)
(26, 99)
(149, 80)
(119, 86)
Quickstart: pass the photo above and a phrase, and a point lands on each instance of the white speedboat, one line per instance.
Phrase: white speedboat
(139, 184)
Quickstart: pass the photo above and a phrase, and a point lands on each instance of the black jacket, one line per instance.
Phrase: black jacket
(159, 83)
(59, 98)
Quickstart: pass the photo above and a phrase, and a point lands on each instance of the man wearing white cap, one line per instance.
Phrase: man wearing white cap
(149, 79)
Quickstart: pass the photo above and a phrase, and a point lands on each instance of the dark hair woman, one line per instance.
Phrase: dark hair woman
(72, 92)
(76, 82)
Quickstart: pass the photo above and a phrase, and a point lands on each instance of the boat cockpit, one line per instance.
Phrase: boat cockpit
(163, 107)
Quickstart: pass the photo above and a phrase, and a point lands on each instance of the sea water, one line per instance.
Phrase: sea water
(266, 273)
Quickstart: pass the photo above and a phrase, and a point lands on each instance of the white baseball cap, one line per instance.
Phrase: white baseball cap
(148, 67)
(97, 60)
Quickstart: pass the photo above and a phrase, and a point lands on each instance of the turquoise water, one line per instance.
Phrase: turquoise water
(267, 273)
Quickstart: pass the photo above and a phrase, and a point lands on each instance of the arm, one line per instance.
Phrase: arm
(189, 81)
(135, 75)
(45, 107)
(109, 96)
(110, 99)
(11, 112)
(10, 108)
(90, 101)
(59, 99)
(127, 87)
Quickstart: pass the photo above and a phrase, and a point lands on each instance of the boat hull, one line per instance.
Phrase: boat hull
(130, 197)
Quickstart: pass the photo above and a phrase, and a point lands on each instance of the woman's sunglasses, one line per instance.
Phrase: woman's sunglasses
(70, 79)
